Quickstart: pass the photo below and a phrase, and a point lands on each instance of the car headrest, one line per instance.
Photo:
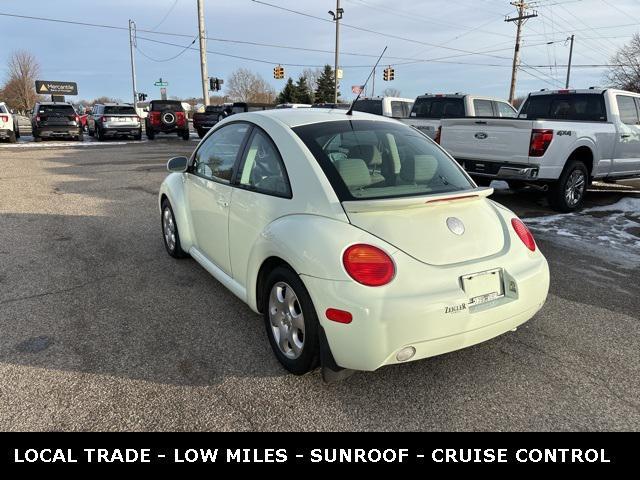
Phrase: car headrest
(354, 172)
(421, 169)
(369, 153)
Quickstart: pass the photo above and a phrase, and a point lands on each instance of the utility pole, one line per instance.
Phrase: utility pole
(337, 16)
(522, 17)
(570, 56)
(132, 44)
(203, 53)
(373, 85)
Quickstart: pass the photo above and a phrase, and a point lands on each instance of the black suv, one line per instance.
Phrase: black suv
(55, 120)
(166, 116)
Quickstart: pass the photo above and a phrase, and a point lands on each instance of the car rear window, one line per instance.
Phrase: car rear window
(576, 106)
(63, 109)
(119, 111)
(3, 109)
(400, 109)
(366, 159)
(438, 107)
(162, 106)
(368, 106)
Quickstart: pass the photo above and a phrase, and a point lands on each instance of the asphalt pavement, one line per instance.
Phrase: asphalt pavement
(101, 330)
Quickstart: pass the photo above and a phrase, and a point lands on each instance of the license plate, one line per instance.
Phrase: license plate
(483, 287)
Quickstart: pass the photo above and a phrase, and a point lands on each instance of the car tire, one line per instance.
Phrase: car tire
(138, 136)
(81, 136)
(291, 321)
(12, 137)
(99, 134)
(201, 133)
(170, 234)
(185, 134)
(567, 194)
(151, 135)
(17, 130)
(36, 137)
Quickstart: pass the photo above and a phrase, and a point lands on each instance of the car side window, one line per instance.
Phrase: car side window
(217, 155)
(263, 170)
(628, 110)
(483, 108)
(504, 110)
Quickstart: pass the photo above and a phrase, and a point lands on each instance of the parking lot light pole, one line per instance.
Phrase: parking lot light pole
(203, 53)
(132, 41)
(337, 16)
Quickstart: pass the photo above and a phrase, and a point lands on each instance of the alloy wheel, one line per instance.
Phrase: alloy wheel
(287, 320)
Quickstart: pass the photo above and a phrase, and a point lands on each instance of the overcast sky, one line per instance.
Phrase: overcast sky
(98, 59)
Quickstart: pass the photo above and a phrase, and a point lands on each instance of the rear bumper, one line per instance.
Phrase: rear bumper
(121, 131)
(527, 172)
(57, 131)
(5, 133)
(384, 322)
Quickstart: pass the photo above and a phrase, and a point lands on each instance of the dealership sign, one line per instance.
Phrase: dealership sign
(44, 87)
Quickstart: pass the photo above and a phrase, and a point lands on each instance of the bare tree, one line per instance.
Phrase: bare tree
(245, 86)
(312, 75)
(625, 70)
(391, 92)
(19, 89)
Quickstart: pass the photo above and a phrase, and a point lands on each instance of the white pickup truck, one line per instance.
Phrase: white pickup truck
(560, 141)
(9, 129)
(429, 109)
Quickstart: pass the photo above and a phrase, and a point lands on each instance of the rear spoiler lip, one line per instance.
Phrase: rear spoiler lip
(373, 205)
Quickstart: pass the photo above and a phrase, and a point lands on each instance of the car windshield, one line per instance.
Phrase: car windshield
(368, 106)
(579, 107)
(125, 110)
(438, 107)
(61, 109)
(365, 159)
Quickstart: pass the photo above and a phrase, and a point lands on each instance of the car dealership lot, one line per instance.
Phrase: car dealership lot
(101, 330)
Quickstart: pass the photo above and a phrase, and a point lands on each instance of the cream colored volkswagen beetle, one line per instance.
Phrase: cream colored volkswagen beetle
(360, 241)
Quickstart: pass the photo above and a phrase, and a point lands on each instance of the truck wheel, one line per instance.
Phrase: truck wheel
(99, 134)
(36, 138)
(138, 136)
(151, 135)
(12, 137)
(567, 194)
(291, 321)
(185, 134)
(17, 130)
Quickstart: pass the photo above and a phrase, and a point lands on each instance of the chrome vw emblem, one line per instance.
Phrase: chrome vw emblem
(455, 225)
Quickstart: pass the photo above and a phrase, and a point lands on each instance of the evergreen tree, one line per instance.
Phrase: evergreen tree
(289, 93)
(326, 84)
(303, 92)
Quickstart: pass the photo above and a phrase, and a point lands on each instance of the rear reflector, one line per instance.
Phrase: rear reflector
(368, 265)
(523, 232)
(540, 141)
(339, 316)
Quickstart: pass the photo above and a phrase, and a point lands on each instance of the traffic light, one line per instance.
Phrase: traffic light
(215, 84)
(389, 74)
(392, 74)
(142, 97)
(278, 72)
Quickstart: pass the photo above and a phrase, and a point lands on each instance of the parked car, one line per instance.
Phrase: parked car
(166, 116)
(393, 107)
(561, 141)
(110, 120)
(203, 121)
(55, 120)
(360, 241)
(429, 109)
(9, 128)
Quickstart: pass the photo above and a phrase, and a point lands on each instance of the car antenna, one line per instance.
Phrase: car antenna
(350, 111)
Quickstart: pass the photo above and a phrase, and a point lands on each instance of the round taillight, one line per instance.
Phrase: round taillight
(368, 265)
(524, 234)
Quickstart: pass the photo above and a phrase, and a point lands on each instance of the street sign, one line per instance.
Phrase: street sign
(161, 83)
(46, 87)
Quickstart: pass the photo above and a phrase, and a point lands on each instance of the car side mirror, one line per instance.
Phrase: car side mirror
(178, 164)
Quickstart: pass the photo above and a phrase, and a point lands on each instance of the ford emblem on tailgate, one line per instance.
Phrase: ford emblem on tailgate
(481, 135)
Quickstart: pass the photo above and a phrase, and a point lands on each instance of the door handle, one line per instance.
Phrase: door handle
(223, 203)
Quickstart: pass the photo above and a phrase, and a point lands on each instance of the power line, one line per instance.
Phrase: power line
(175, 2)
(169, 58)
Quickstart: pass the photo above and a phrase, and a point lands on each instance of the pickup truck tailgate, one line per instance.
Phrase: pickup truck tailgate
(497, 140)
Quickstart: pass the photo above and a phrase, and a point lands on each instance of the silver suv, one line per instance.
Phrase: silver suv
(114, 120)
